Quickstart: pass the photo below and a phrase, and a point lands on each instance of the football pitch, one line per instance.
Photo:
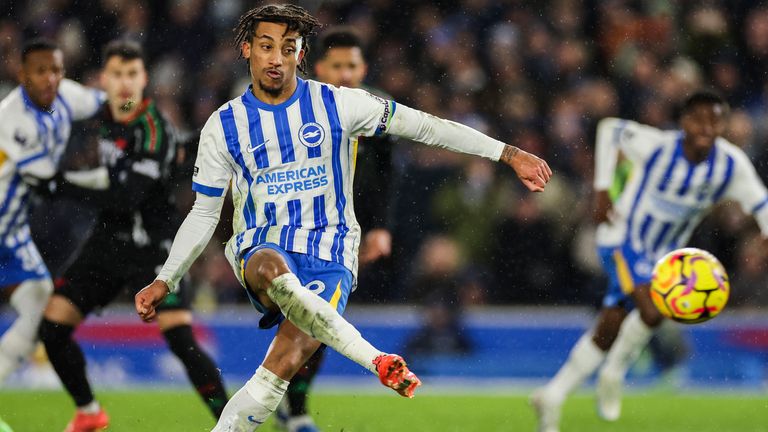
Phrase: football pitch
(170, 411)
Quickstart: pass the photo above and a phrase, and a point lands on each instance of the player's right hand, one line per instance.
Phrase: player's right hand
(603, 207)
(530, 169)
(149, 298)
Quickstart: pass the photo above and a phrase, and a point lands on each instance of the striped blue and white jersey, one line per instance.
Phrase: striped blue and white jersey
(32, 141)
(667, 196)
(290, 167)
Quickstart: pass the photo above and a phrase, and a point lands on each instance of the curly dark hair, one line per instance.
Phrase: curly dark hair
(296, 17)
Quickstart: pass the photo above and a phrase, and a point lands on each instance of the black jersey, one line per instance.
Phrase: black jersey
(140, 155)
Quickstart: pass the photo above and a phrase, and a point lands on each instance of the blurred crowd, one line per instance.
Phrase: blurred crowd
(535, 74)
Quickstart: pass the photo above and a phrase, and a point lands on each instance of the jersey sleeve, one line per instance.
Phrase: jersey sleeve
(362, 113)
(635, 141)
(748, 190)
(212, 172)
(82, 102)
(21, 145)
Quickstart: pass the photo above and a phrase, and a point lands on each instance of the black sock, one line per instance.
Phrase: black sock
(300, 383)
(201, 369)
(67, 360)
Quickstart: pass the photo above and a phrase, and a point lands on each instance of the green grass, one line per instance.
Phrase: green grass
(169, 411)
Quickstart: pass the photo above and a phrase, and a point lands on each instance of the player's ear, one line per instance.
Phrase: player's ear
(300, 55)
(245, 50)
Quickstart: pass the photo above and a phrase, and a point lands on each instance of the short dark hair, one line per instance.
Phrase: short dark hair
(296, 17)
(340, 37)
(702, 97)
(37, 44)
(126, 49)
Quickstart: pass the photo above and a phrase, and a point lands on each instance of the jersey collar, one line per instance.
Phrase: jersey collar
(253, 100)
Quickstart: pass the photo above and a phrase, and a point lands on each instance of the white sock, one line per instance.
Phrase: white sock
(632, 338)
(253, 403)
(91, 408)
(317, 318)
(584, 359)
(18, 342)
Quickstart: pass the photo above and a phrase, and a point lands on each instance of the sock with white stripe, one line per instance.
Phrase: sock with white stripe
(317, 318)
(250, 407)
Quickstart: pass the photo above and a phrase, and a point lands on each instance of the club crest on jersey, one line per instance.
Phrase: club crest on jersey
(311, 134)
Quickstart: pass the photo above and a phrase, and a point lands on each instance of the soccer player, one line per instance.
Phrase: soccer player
(36, 123)
(136, 220)
(285, 146)
(678, 176)
(341, 63)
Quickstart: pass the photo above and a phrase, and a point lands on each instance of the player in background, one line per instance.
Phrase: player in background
(36, 124)
(341, 63)
(286, 147)
(135, 223)
(678, 177)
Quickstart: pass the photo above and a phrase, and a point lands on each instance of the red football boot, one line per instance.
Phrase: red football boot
(84, 422)
(394, 373)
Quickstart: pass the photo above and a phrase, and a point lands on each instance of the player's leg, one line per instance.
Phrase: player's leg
(176, 326)
(634, 335)
(292, 412)
(85, 288)
(259, 397)
(589, 352)
(26, 283)
(28, 299)
(584, 359)
(272, 282)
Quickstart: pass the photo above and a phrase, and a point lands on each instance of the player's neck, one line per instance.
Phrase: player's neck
(274, 98)
(693, 156)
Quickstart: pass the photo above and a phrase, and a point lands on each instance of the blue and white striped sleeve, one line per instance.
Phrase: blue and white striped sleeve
(212, 172)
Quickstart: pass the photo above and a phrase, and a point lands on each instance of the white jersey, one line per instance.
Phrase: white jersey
(293, 166)
(32, 142)
(667, 196)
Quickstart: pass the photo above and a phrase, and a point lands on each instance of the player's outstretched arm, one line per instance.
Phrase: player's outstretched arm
(428, 129)
(191, 238)
(530, 169)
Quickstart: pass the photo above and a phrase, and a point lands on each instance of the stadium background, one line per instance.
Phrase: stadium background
(482, 273)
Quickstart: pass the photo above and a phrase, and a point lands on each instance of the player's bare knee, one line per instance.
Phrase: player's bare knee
(263, 267)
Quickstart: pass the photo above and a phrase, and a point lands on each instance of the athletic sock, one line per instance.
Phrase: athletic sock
(67, 360)
(201, 369)
(633, 336)
(250, 407)
(90, 408)
(18, 342)
(583, 360)
(317, 318)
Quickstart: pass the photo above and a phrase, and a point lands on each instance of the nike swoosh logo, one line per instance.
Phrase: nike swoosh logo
(251, 149)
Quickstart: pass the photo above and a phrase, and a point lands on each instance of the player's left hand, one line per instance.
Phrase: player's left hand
(530, 169)
(149, 298)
